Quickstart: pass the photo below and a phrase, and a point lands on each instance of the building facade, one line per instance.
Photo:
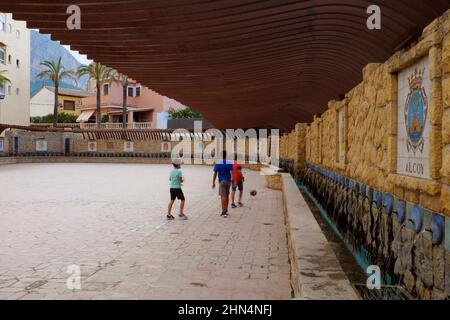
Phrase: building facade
(15, 64)
(69, 100)
(144, 106)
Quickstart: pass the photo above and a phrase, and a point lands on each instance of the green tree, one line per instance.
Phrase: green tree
(55, 72)
(186, 113)
(100, 74)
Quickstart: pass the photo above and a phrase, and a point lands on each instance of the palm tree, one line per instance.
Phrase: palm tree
(55, 72)
(3, 78)
(100, 73)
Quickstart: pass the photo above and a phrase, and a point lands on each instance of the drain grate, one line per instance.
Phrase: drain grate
(385, 293)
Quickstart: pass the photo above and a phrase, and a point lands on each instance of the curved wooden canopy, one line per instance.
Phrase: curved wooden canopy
(242, 63)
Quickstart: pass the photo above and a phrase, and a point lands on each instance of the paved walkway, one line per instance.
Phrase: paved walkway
(109, 220)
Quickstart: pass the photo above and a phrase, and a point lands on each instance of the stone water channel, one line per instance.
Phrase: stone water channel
(364, 231)
(353, 260)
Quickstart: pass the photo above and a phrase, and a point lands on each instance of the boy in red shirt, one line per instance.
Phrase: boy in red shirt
(237, 182)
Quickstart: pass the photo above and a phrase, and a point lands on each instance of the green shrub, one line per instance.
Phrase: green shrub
(62, 118)
(186, 113)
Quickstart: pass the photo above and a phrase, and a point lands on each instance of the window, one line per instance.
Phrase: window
(17, 63)
(130, 92)
(341, 135)
(134, 91)
(69, 105)
(2, 22)
(9, 58)
(10, 28)
(2, 55)
(105, 89)
(2, 90)
(17, 91)
(17, 34)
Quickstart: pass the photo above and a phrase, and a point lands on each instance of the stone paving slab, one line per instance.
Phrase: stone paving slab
(109, 219)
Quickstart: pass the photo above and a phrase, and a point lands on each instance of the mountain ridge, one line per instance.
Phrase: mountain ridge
(42, 49)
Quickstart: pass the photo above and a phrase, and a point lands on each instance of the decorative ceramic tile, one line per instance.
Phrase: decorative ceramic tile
(41, 145)
(341, 133)
(128, 146)
(413, 121)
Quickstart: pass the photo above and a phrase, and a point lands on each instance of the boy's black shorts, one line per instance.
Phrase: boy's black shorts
(176, 194)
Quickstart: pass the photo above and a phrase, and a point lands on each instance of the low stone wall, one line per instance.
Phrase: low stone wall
(315, 271)
(293, 150)
(274, 181)
(62, 159)
(32, 143)
(28, 142)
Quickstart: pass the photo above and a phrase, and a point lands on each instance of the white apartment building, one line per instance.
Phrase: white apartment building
(15, 61)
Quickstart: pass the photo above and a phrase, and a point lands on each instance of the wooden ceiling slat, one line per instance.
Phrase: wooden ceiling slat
(258, 63)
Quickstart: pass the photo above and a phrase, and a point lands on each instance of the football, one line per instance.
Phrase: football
(253, 193)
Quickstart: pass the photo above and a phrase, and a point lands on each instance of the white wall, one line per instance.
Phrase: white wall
(15, 108)
(413, 162)
(169, 103)
(42, 103)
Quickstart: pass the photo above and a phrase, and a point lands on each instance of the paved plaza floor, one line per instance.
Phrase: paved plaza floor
(109, 220)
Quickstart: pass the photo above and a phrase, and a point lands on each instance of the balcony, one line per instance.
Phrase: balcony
(112, 126)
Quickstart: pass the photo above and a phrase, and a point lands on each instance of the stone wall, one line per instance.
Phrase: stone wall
(292, 150)
(370, 113)
(56, 144)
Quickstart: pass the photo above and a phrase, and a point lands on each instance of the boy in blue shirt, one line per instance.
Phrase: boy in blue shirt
(223, 169)
(176, 180)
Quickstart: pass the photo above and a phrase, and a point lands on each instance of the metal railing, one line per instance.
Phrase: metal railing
(93, 126)
(108, 125)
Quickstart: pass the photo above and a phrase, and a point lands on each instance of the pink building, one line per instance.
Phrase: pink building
(143, 105)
